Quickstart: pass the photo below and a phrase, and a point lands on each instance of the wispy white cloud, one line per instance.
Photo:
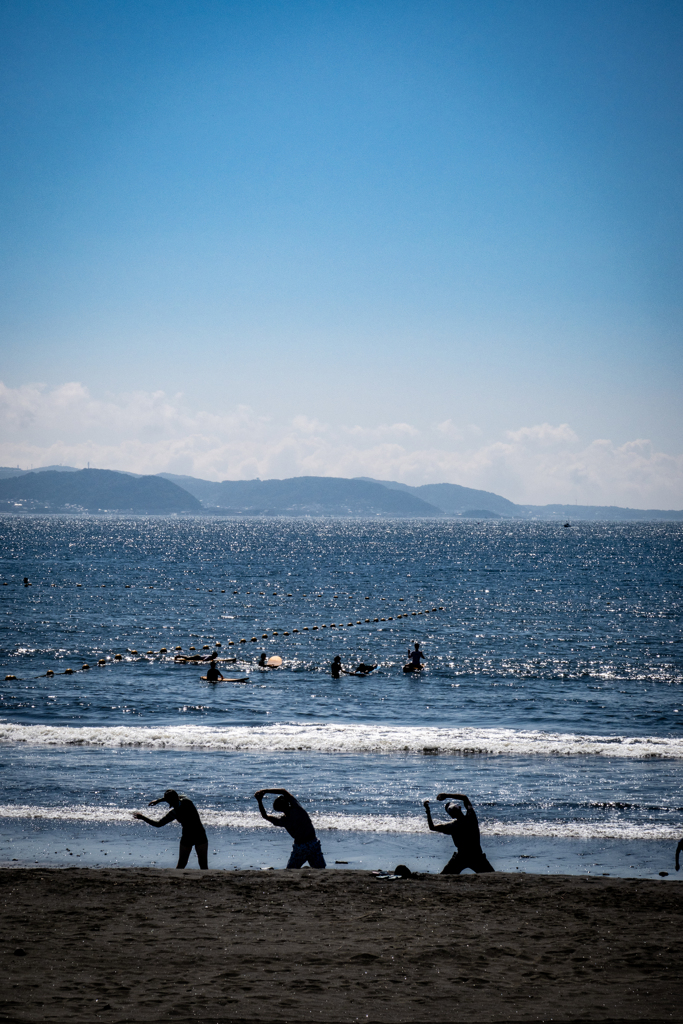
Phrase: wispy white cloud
(151, 432)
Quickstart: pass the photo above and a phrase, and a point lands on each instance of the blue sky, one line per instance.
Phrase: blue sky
(372, 228)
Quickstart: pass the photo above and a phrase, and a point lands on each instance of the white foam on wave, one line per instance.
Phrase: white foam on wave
(374, 823)
(346, 739)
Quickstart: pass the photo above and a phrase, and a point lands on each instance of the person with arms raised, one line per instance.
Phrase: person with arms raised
(193, 834)
(464, 831)
(297, 822)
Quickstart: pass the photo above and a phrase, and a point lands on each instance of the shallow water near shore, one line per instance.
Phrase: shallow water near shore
(552, 693)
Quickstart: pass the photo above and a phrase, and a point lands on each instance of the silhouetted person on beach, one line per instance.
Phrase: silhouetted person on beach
(679, 851)
(464, 831)
(185, 812)
(300, 827)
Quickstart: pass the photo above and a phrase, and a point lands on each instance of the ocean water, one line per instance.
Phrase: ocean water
(551, 693)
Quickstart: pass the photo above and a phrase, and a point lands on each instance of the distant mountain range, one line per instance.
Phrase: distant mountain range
(65, 489)
(93, 490)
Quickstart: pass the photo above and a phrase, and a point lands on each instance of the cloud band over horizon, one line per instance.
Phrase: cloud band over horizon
(153, 432)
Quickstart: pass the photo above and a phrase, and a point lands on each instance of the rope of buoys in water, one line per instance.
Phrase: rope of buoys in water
(334, 625)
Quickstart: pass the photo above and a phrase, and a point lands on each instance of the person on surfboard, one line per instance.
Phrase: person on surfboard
(212, 673)
(414, 658)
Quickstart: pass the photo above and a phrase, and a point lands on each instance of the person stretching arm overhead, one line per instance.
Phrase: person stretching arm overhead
(193, 834)
(297, 822)
(464, 831)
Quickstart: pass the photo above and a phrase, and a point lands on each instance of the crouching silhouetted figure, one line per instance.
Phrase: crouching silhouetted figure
(464, 831)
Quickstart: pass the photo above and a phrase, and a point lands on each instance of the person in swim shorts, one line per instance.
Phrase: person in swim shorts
(193, 834)
(464, 831)
(296, 821)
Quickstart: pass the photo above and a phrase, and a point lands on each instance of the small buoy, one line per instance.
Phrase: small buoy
(305, 629)
(118, 657)
(662, 873)
(193, 648)
(85, 666)
(206, 647)
(9, 678)
(285, 634)
(243, 641)
(78, 584)
(375, 620)
(50, 672)
(265, 636)
(218, 644)
(68, 671)
(295, 631)
(162, 650)
(178, 648)
(127, 586)
(133, 652)
(102, 661)
(253, 639)
(314, 627)
(231, 643)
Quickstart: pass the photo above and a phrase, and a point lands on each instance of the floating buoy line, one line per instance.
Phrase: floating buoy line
(197, 659)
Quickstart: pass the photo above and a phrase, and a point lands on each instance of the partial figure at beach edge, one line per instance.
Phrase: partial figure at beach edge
(296, 821)
(193, 834)
(464, 831)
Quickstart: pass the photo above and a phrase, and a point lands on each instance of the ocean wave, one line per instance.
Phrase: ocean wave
(346, 739)
(366, 823)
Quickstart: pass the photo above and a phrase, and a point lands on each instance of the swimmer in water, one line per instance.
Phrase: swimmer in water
(297, 822)
(336, 668)
(185, 812)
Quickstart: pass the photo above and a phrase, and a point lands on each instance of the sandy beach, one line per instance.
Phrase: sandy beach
(157, 945)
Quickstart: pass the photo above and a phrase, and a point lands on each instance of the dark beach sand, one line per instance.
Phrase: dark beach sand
(153, 945)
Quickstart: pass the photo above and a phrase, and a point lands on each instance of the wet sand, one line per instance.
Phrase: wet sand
(342, 946)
